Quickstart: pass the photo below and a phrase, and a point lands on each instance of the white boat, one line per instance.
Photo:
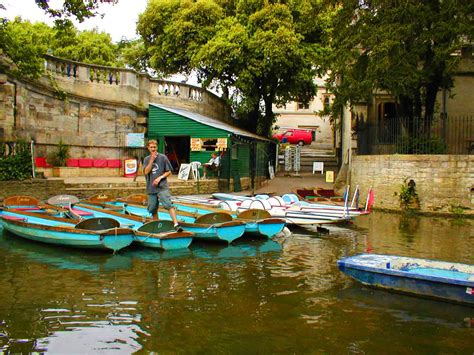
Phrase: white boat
(244, 203)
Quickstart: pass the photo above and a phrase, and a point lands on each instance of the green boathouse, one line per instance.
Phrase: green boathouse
(186, 137)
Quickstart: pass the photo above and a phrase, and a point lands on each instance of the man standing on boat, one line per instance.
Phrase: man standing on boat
(157, 168)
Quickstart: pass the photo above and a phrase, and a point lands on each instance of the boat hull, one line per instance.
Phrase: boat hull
(68, 236)
(164, 243)
(438, 280)
(223, 232)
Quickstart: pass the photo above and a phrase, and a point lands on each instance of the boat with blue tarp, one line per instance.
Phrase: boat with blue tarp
(442, 280)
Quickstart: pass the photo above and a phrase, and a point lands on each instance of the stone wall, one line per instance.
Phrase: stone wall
(442, 181)
(43, 189)
(39, 188)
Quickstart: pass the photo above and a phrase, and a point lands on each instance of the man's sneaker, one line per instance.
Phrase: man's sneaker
(177, 228)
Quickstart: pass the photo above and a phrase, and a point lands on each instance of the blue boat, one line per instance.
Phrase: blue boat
(97, 233)
(162, 235)
(442, 280)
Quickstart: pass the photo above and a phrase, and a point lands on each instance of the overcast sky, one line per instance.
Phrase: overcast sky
(119, 20)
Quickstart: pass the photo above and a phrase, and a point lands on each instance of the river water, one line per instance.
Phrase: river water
(284, 296)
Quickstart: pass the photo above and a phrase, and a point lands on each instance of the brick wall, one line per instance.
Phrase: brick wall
(442, 181)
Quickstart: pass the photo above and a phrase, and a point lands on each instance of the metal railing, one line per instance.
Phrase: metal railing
(399, 135)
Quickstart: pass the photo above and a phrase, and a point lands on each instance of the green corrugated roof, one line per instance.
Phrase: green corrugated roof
(208, 121)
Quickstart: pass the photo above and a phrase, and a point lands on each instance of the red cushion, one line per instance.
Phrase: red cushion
(85, 163)
(100, 163)
(81, 212)
(72, 162)
(41, 162)
(114, 163)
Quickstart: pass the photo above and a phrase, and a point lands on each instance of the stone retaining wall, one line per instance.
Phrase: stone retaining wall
(42, 189)
(443, 182)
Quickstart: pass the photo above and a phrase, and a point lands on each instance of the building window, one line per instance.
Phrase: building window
(302, 106)
(326, 102)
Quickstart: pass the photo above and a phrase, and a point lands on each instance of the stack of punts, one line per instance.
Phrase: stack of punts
(286, 207)
(212, 226)
(436, 279)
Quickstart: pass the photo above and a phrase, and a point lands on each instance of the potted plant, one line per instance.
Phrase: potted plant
(59, 158)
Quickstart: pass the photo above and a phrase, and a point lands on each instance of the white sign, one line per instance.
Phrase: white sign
(271, 171)
(184, 171)
(135, 139)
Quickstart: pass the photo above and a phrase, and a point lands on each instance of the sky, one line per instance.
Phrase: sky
(119, 20)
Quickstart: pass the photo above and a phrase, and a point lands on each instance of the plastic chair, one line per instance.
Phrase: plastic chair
(318, 166)
(195, 165)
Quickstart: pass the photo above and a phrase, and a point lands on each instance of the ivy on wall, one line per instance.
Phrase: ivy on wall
(15, 161)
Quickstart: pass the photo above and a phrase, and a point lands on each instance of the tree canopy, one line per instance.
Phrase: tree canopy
(257, 52)
(25, 43)
(405, 48)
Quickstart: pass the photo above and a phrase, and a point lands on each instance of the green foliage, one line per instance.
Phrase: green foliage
(132, 54)
(457, 210)
(408, 195)
(59, 157)
(403, 47)
(17, 166)
(26, 43)
(421, 145)
(90, 47)
(262, 53)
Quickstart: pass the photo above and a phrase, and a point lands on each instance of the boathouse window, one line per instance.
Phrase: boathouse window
(209, 144)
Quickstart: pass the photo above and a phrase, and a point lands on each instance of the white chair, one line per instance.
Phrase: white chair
(195, 165)
(318, 166)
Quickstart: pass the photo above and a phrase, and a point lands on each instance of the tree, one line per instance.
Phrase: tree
(405, 48)
(26, 43)
(89, 46)
(132, 54)
(259, 53)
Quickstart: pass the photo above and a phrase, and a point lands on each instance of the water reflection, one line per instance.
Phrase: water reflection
(281, 296)
(62, 258)
(94, 338)
(406, 309)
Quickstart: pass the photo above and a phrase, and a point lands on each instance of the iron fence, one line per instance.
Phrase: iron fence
(401, 135)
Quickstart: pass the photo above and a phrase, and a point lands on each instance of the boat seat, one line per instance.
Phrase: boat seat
(157, 226)
(98, 223)
(254, 214)
(211, 218)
